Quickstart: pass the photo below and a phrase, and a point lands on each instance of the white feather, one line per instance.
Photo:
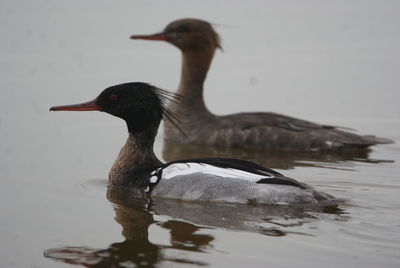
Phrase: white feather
(184, 169)
(153, 179)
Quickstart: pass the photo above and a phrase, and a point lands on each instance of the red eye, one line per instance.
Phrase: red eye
(113, 97)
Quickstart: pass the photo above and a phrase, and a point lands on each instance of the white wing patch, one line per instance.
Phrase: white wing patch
(184, 169)
(153, 179)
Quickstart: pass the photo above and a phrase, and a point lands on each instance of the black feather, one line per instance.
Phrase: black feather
(282, 181)
(165, 98)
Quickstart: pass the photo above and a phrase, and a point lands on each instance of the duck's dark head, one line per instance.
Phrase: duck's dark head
(187, 34)
(141, 105)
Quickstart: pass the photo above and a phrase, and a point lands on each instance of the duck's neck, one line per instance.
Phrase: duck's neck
(135, 161)
(192, 111)
(195, 65)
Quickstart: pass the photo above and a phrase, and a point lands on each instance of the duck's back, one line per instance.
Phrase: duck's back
(237, 182)
(270, 131)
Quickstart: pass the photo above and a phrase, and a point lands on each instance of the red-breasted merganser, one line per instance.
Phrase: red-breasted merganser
(142, 106)
(198, 42)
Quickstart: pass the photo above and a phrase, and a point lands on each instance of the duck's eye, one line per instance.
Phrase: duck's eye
(113, 97)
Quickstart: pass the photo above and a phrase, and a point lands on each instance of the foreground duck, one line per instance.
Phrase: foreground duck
(198, 42)
(142, 106)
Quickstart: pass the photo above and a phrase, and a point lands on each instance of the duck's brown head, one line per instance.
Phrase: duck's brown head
(187, 34)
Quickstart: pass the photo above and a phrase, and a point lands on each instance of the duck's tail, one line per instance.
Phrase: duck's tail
(351, 140)
(377, 140)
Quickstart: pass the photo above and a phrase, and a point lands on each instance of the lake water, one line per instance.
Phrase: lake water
(333, 62)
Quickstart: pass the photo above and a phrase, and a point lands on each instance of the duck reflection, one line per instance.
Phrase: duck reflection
(136, 249)
(278, 160)
(136, 214)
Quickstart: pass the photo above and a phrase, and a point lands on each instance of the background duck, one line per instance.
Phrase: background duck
(142, 106)
(198, 42)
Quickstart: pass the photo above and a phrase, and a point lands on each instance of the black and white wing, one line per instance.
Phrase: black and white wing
(222, 167)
